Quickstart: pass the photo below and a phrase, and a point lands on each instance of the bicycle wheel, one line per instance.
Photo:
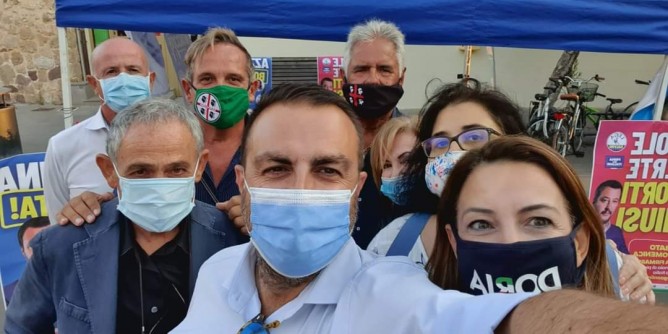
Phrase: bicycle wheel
(432, 86)
(578, 134)
(559, 138)
(535, 129)
(628, 111)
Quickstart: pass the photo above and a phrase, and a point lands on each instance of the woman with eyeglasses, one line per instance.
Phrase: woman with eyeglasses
(461, 117)
(457, 118)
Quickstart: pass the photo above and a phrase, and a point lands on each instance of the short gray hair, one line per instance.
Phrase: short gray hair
(372, 30)
(152, 111)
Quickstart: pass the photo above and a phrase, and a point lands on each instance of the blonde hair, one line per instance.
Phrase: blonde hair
(212, 37)
(382, 143)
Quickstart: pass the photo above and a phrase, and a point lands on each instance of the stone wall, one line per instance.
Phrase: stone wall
(29, 56)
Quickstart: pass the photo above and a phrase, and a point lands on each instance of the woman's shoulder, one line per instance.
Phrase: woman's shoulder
(383, 240)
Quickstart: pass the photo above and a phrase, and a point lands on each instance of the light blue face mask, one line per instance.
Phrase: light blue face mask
(390, 187)
(158, 204)
(298, 232)
(124, 90)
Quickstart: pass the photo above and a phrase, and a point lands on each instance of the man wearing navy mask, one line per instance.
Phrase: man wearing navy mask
(120, 78)
(373, 66)
(132, 271)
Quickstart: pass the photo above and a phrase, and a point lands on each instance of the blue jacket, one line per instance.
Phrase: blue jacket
(71, 280)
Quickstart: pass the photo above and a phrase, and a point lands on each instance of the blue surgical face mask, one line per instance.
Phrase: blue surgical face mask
(391, 188)
(298, 232)
(124, 90)
(158, 204)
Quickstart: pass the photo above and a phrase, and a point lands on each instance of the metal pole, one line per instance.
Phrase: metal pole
(65, 77)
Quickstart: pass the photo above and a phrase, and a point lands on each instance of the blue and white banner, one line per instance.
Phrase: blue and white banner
(262, 79)
(646, 108)
(21, 198)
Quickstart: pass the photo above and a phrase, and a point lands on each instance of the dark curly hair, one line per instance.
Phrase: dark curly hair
(503, 111)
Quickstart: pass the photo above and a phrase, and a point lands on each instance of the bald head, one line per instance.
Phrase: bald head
(118, 55)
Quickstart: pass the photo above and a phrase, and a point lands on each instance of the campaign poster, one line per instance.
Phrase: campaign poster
(329, 73)
(629, 189)
(21, 198)
(262, 67)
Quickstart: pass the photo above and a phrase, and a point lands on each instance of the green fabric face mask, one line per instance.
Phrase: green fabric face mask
(221, 106)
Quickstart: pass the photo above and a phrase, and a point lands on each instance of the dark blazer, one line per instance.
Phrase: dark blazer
(72, 277)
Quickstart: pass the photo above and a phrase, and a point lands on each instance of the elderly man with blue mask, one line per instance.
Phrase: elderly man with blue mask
(132, 271)
(120, 78)
(299, 179)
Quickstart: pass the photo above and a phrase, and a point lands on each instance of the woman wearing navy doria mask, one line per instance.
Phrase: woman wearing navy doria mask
(498, 232)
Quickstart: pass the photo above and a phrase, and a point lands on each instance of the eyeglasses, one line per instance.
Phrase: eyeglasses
(467, 140)
(257, 326)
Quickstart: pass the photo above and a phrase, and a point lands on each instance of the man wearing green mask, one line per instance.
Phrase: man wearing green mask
(218, 88)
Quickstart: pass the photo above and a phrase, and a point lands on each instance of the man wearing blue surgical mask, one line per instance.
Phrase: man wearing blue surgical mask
(132, 271)
(120, 78)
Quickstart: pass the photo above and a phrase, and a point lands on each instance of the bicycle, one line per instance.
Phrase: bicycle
(541, 121)
(594, 116)
(579, 92)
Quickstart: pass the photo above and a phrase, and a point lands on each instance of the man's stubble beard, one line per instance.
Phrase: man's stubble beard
(274, 279)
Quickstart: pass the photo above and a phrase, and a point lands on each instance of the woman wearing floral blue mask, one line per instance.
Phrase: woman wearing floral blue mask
(389, 150)
(457, 118)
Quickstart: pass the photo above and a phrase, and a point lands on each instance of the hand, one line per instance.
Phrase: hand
(232, 208)
(634, 282)
(87, 205)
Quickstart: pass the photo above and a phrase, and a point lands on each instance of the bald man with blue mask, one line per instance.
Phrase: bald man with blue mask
(120, 78)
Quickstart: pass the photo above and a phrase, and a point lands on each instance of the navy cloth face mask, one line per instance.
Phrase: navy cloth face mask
(527, 266)
(372, 101)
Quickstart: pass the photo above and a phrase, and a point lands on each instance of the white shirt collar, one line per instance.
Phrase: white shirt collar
(325, 289)
(97, 122)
